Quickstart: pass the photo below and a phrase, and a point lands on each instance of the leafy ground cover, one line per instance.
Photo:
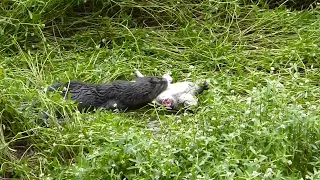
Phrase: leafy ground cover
(259, 120)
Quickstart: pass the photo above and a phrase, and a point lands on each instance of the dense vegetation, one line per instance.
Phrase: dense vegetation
(259, 120)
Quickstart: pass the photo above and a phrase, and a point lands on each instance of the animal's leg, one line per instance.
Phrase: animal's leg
(168, 77)
(113, 105)
(188, 100)
(138, 73)
(202, 87)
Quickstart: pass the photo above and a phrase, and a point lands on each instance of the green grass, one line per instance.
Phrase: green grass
(259, 120)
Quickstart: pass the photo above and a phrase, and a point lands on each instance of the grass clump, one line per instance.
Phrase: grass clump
(259, 120)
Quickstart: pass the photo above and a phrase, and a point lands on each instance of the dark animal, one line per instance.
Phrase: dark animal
(121, 95)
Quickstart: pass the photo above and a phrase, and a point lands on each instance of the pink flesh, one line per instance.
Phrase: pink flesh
(167, 103)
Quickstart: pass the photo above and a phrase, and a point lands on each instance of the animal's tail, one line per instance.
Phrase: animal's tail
(54, 87)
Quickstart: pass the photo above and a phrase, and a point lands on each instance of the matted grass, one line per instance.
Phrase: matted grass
(259, 120)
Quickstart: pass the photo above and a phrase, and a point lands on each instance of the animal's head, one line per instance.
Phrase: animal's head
(159, 83)
(152, 86)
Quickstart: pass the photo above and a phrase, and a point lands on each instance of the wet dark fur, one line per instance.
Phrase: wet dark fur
(122, 95)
